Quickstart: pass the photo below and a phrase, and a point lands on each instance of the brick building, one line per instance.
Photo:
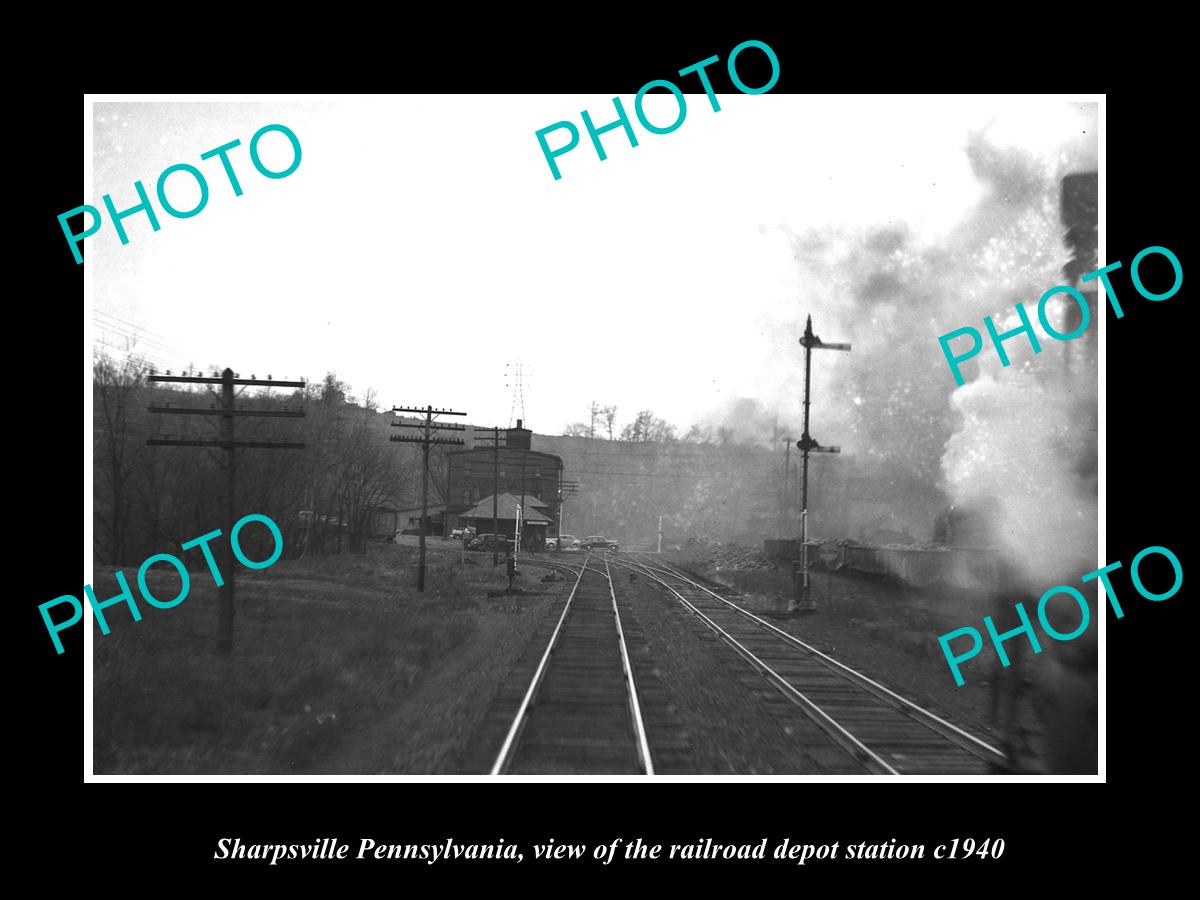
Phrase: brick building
(515, 469)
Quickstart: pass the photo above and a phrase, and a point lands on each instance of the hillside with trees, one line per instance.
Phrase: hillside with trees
(150, 498)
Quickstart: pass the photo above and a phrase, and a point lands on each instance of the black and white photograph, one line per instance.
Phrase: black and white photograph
(474, 437)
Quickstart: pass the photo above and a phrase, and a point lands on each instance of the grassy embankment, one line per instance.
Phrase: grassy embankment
(339, 666)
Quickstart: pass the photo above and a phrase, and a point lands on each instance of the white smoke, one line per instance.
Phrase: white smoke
(1015, 444)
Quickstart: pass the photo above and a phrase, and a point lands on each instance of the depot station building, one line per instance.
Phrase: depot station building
(513, 471)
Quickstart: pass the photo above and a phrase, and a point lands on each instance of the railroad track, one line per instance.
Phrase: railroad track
(884, 732)
(580, 712)
(568, 568)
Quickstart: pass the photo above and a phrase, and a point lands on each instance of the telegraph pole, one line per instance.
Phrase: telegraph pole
(449, 498)
(225, 627)
(426, 439)
(520, 509)
(565, 489)
(226, 441)
(495, 439)
(807, 445)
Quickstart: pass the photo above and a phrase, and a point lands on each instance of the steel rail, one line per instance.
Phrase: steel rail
(639, 726)
(510, 741)
(826, 722)
(573, 568)
(974, 745)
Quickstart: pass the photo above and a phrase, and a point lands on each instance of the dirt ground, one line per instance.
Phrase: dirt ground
(341, 666)
(889, 633)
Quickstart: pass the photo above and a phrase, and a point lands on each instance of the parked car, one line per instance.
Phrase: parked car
(490, 542)
(599, 542)
(563, 541)
(462, 534)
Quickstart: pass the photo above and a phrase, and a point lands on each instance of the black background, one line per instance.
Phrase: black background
(137, 830)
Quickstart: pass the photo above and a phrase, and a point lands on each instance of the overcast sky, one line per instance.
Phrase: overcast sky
(422, 244)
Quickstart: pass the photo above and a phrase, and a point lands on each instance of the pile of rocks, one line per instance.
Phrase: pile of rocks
(727, 556)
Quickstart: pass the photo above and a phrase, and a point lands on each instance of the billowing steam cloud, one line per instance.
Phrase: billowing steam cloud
(1016, 445)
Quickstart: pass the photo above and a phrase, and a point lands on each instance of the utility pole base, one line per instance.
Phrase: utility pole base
(802, 600)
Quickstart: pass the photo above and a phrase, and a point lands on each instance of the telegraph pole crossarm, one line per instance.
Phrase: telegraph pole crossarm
(199, 379)
(566, 489)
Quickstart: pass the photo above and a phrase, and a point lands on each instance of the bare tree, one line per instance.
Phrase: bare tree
(648, 427)
(610, 419)
(594, 413)
(660, 430)
(116, 386)
(439, 472)
(371, 475)
(323, 461)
